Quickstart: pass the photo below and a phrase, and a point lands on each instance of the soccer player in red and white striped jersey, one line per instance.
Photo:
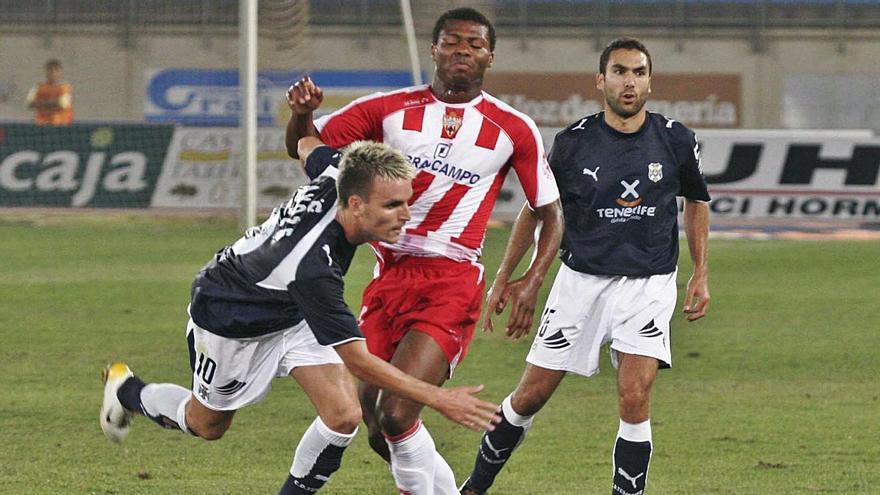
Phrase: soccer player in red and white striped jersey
(420, 311)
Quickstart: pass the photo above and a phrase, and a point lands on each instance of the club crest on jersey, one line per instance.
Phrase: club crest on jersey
(452, 122)
(655, 171)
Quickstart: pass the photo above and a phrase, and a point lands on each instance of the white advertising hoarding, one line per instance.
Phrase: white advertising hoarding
(751, 173)
(202, 169)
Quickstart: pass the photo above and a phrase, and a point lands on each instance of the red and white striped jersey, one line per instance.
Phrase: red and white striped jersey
(462, 153)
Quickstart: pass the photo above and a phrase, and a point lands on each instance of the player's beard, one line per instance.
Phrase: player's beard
(626, 111)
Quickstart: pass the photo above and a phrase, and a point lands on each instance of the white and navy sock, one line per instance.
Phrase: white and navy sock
(317, 457)
(632, 455)
(164, 403)
(497, 445)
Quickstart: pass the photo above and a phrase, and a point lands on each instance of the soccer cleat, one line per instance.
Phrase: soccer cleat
(115, 419)
(466, 490)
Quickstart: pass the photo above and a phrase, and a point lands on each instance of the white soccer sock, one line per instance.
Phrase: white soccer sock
(444, 478)
(413, 460)
(638, 432)
(315, 441)
(166, 400)
(181, 416)
(514, 418)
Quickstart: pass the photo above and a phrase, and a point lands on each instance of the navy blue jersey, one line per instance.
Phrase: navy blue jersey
(288, 269)
(618, 194)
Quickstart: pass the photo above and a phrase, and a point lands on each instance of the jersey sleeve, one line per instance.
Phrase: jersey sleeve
(692, 183)
(320, 159)
(322, 304)
(556, 159)
(530, 165)
(359, 120)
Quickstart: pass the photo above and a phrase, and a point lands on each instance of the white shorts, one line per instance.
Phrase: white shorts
(229, 374)
(583, 312)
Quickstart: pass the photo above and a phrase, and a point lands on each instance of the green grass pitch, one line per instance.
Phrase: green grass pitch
(775, 392)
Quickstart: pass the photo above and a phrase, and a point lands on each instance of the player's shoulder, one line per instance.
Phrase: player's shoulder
(404, 97)
(323, 159)
(674, 129)
(519, 127)
(309, 210)
(390, 100)
(581, 126)
(500, 110)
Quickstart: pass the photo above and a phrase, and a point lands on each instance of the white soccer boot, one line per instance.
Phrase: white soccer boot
(115, 419)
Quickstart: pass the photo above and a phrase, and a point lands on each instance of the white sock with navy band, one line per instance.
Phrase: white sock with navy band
(317, 457)
(631, 456)
(165, 404)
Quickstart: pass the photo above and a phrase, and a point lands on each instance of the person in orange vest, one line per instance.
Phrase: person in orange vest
(52, 100)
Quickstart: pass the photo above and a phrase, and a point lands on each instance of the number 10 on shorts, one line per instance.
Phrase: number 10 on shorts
(205, 368)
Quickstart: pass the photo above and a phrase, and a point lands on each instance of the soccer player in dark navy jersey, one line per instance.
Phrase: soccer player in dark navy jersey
(619, 173)
(272, 305)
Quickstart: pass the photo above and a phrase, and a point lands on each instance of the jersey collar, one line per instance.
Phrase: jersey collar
(473, 102)
(624, 135)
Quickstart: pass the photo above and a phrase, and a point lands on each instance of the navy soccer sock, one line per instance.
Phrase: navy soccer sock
(317, 457)
(632, 455)
(327, 463)
(129, 394)
(496, 446)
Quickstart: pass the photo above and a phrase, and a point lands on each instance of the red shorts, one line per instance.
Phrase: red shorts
(436, 296)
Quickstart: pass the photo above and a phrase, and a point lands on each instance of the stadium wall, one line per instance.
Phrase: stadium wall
(109, 78)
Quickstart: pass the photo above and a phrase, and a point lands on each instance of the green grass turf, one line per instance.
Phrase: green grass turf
(775, 392)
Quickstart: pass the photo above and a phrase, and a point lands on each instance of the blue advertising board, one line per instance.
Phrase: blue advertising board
(207, 97)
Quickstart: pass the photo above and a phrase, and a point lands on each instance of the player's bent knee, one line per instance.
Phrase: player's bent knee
(206, 424)
(210, 432)
(396, 418)
(344, 421)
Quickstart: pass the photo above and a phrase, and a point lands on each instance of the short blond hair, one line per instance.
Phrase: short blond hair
(365, 161)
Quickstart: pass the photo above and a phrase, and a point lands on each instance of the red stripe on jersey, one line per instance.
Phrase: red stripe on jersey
(441, 210)
(488, 136)
(362, 118)
(472, 235)
(419, 184)
(412, 119)
(526, 159)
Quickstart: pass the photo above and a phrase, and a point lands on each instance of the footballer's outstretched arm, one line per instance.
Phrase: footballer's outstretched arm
(523, 292)
(457, 404)
(303, 98)
(696, 228)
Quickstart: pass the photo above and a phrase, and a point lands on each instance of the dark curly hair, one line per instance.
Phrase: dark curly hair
(464, 14)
